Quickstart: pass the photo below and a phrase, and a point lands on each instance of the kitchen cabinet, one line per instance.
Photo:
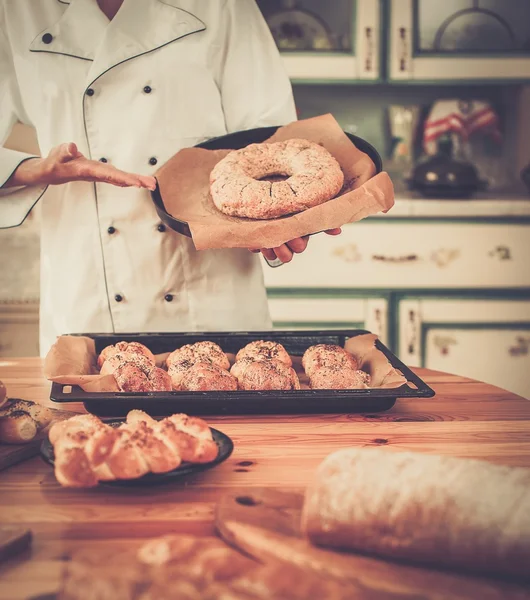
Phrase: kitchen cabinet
(19, 329)
(294, 311)
(331, 41)
(458, 39)
(444, 290)
(425, 40)
(488, 340)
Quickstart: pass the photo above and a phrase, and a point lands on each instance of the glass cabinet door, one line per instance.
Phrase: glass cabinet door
(336, 40)
(453, 39)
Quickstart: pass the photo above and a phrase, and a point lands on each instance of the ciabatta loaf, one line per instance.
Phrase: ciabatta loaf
(439, 510)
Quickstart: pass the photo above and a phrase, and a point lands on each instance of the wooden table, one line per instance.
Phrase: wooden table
(465, 418)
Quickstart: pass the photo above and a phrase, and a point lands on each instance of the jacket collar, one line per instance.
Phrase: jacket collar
(139, 27)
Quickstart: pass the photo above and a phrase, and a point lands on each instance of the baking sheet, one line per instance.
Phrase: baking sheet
(72, 360)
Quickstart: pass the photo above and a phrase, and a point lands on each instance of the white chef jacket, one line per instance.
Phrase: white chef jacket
(162, 75)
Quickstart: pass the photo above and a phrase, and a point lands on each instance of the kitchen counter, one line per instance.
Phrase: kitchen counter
(482, 206)
(465, 418)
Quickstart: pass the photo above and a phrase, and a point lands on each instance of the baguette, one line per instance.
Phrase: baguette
(3, 394)
(21, 420)
(438, 510)
(17, 428)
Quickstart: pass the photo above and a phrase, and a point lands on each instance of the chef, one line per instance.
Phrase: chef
(114, 88)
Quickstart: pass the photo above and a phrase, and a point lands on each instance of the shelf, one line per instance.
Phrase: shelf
(484, 206)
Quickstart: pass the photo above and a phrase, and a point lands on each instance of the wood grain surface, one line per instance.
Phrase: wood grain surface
(465, 418)
(265, 523)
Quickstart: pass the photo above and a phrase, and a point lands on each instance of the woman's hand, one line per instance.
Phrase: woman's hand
(65, 163)
(286, 251)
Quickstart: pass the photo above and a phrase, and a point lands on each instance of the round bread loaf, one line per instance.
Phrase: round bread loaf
(239, 188)
(262, 349)
(327, 355)
(207, 377)
(262, 374)
(125, 348)
(335, 377)
(206, 351)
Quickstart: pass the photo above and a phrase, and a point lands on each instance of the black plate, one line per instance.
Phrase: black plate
(240, 139)
(243, 402)
(224, 444)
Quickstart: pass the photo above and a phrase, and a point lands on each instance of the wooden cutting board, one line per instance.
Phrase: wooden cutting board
(13, 541)
(265, 523)
(11, 454)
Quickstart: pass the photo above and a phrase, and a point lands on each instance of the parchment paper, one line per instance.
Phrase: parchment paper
(185, 188)
(72, 360)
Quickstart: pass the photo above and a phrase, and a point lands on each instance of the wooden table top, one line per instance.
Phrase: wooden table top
(465, 418)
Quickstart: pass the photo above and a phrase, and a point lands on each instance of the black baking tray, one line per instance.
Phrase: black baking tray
(243, 402)
(240, 139)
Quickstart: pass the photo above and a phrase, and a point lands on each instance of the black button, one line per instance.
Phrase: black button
(168, 297)
(118, 297)
(90, 92)
(47, 38)
(111, 230)
(148, 89)
(103, 159)
(153, 160)
(161, 228)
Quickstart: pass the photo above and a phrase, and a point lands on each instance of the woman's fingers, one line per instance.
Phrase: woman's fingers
(104, 173)
(336, 231)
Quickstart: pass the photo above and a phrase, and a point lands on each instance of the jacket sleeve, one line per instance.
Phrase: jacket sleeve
(255, 88)
(15, 202)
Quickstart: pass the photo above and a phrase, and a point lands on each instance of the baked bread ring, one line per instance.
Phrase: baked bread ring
(239, 188)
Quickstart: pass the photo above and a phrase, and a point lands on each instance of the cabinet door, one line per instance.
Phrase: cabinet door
(488, 340)
(296, 312)
(459, 39)
(318, 40)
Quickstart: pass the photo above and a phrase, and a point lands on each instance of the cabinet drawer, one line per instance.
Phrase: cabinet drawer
(293, 312)
(411, 255)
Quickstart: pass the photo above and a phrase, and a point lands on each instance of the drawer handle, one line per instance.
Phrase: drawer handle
(443, 343)
(396, 259)
(444, 256)
(349, 253)
(412, 329)
(403, 48)
(501, 252)
(368, 63)
(521, 347)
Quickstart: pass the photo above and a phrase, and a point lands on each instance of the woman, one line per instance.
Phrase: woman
(114, 88)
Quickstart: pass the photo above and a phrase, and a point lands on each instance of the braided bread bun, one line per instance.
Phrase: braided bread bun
(88, 451)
